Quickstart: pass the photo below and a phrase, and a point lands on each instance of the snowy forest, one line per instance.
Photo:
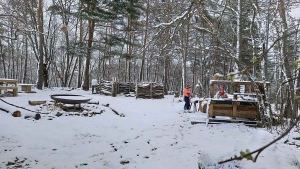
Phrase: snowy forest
(67, 43)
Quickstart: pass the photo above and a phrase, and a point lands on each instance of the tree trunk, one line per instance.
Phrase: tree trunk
(291, 105)
(144, 43)
(3, 59)
(185, 54)
(91, 26)
(238, 35)
(26, 61)
(41, 40)
(79, 78)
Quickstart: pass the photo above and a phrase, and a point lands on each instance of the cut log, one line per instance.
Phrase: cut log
(34, 103)
(17, 113)
(10, 109)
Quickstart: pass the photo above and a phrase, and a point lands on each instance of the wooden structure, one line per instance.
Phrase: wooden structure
(7, 84)
(142, 90)
(236, 87)
(26, 87)
(149, 90)
(236, 106)
(112, 88)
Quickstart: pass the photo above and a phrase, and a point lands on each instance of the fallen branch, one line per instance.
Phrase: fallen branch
(107, 105)
(18, 106)
(10, 109)
(258, 151)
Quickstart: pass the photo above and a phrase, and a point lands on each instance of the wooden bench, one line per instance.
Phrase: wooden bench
(9, 84)
(26, 87)
(14, 88)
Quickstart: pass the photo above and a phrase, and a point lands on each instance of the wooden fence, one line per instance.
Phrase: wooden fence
(112, 88)
(149, 90)
(142, 90)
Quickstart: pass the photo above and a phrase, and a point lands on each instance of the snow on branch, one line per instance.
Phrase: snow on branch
(262, 56)
(201, 29)
(173, 21)
(182, 16)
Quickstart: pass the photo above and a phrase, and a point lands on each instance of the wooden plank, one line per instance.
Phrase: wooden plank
(228, 82)
(222, 113)
(9, 80)
(26, 88)
(8, 87)
(233, 121)
(234, 113)
(211, 91)
(211, 109)
(222, 105)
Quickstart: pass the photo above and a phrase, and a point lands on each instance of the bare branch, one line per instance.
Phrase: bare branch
(258, 151)
(12, 38)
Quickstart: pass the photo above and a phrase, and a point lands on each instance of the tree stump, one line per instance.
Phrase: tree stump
(17, 113)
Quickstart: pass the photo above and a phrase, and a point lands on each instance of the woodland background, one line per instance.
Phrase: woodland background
(67, 43)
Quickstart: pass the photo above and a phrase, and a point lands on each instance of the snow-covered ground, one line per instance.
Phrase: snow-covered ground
(154, 134)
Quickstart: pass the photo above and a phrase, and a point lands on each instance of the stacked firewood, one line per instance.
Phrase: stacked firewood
(112, 88)
(125, 88)
(149, 91)
(105, 87)
(142, 90)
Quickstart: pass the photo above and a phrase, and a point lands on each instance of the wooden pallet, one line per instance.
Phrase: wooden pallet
(219, 121)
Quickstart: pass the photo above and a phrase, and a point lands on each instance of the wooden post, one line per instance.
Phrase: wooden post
(136, 90)
(118, 87)
(234, 109)
(113, 90)
(211, 109)
(15, 92)
(235, 89)
(211, 91)
(151, 96)
(194, 106)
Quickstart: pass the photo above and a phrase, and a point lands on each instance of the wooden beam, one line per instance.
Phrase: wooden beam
(211, 109)
(234, 111)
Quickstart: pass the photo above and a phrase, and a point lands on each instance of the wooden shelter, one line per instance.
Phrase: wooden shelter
(243, 104)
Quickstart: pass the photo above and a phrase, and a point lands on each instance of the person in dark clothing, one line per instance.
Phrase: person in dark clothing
(187, 94)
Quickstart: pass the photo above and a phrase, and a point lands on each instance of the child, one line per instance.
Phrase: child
(187, 94)
(221, 93)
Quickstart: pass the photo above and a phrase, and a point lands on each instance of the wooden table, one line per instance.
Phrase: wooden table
(26, 87)
(9, 84)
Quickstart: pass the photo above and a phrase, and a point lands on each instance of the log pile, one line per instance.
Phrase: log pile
(149, 91)
(112, 88)
(105, 88)
(125, 88)
(142, 90)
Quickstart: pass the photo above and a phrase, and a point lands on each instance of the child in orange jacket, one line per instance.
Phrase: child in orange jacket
(187, 94)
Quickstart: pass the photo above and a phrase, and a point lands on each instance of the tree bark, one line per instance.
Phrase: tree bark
(144, 43)
(41, 40)
(79, 78)
(91, 27)
(291, 105)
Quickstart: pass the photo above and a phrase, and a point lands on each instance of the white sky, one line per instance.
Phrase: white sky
(295, 12)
